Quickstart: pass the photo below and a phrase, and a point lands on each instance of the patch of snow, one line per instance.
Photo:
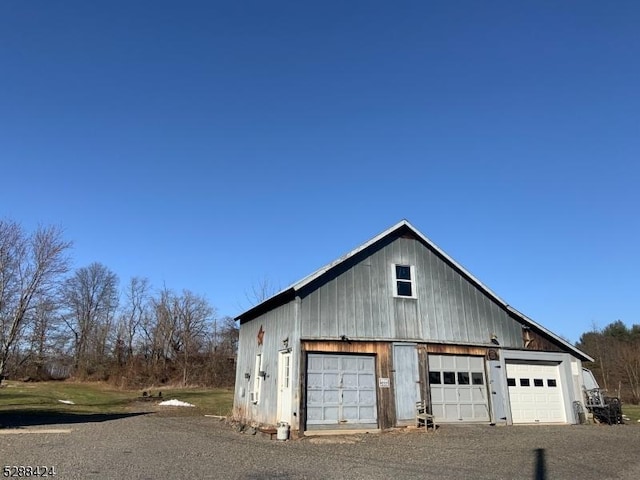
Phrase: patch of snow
(67, 402)
(175, 403)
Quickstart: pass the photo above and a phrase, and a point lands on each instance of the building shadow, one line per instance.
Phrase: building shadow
(31, 418)
(540, 472)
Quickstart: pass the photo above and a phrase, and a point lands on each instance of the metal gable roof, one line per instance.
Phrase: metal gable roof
(289, 293)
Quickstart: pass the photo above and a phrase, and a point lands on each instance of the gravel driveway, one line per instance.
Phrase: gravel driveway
(160, 445)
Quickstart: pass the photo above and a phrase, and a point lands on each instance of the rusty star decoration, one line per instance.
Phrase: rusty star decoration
(260, 335)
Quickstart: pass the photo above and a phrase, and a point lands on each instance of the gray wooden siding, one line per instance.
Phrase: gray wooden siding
(277, 324)
(359, 302)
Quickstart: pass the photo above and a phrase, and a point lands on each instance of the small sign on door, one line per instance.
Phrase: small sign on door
(383, 382)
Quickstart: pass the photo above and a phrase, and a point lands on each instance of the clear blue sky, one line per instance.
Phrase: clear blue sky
(208, 145)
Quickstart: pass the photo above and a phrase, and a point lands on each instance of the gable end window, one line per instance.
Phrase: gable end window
(404, 281)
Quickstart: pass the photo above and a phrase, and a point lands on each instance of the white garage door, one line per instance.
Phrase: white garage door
(535, 393)
(458, 388)
(341, 390)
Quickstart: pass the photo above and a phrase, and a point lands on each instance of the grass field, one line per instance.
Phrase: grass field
(101, 398)
(633, 412)
(88, 398)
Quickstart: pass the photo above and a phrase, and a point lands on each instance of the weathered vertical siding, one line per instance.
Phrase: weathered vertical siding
(358, 302)
(278, 325)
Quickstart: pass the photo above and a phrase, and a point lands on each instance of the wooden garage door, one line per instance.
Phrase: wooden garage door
(341, 390)
(535, 393)
(458, 388)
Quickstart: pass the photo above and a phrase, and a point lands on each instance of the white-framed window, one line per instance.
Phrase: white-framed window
(285, 373)
(257, 379)
(404, 281)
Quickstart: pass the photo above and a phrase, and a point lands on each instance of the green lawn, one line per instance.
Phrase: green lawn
(43, 397)
(631, 411)
(101, 398)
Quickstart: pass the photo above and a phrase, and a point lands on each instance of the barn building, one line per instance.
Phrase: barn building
(357, 343)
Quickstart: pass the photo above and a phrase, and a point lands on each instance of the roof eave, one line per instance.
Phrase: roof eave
(290, 292)
(270, 303)
(549, 333)
(274, 300)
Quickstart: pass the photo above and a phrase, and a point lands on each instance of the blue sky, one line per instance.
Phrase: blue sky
(210, 145)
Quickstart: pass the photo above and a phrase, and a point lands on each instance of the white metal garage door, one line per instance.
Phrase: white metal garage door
(458, 388)
(341, 390)
(535, 393)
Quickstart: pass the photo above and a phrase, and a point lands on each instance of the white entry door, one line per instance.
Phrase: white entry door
(535, 393)
(284, 387)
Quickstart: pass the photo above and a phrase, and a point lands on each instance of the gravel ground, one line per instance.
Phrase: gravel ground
(170, 446)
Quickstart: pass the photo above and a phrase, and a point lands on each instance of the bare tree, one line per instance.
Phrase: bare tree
(220, 363)
(616, 350)
(260, 291)
(54, 326)
(135, 310)
(226, 337)
(193, 314)
(44, 321)
(629, 355)
(160, 329)
(176, 333)
(599, 346)
(31, 266)
(91, 296)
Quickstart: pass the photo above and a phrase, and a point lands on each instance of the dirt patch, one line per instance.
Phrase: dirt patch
(330, 440)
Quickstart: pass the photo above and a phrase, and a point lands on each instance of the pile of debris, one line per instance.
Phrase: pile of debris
(605, 409)
(148, 397)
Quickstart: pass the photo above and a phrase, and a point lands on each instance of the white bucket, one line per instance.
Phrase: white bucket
(283, 431)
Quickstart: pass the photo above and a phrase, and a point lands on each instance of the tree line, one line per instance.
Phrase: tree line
(616, 351)
(58, 323)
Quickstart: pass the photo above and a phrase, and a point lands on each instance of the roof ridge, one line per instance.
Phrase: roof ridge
(296, 286)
